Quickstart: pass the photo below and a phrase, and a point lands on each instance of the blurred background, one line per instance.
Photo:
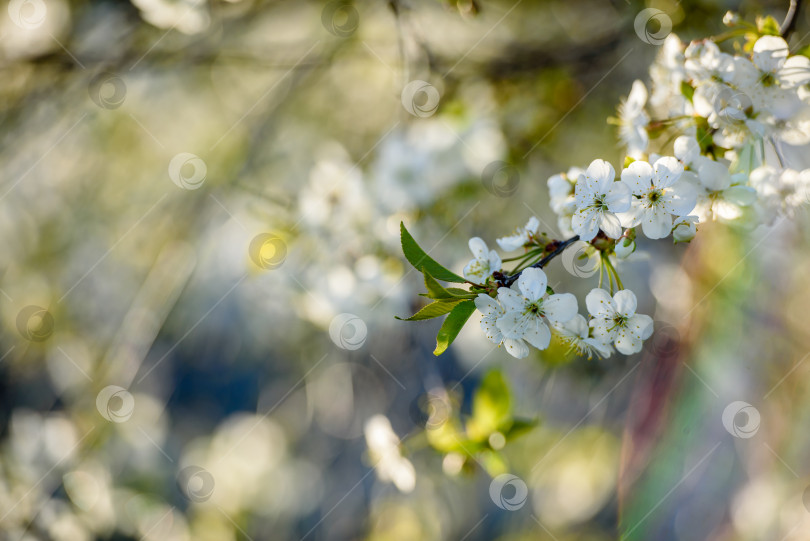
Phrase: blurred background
(200, 208)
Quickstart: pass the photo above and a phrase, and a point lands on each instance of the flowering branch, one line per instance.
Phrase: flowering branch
(560, 248)
(790, 18)
(714, 168)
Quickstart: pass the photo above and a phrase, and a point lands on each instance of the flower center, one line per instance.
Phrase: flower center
(599, 203)
(654, 196)
(619, 321)
(535, 308)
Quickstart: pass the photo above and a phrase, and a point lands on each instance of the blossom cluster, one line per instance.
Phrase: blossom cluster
(728, 121)
(735, 117)
(526, 314)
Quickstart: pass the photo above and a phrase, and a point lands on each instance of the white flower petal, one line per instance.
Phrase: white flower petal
(511, 300)
(657, 223)
(667, 171)
(478, 247)
(490, 327)
(679, 199)
(770, 53)
(642, 325)
(603, 330)
(626, 303)
(495, 261)
(560, 307)
(598, 176)
(795, 72)
(714, 175)
(686, 149)
(487, 305)
(618, 197)
(602, 349)
(532, 283)
(611, 225)
(585, 223)
(516, 348)
(600, 303)
(513, 324)
(577, 326)
(740, 195)
(473, 271)
(638, 177)
(538, 334)
(627, 342)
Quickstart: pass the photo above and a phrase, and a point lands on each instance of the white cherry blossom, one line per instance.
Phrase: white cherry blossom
(521, 237)
(633, 120)
(491, 311)
(528, 308)
(575, 334)
(720, 195)
(660, 194)
(483, 263)
(624, 247)
(615, 320)
(561, 198)
(598, 199)
(780, 192)
(685, 229)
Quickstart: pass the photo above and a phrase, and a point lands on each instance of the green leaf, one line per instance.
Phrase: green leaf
(628, 160)
(491, 407)
(768, 26)
(520, 427)
(434, 309)
(438, 291)
(420, 260)
(687, 90)
(452, 325)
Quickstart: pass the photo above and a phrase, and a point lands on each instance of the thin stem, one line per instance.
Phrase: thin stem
(778, 153)
(733, 33)
(526, 260)
(609, 274)
(612, 269)
(789, 24)
(601, 272)
(522, 256)
(509, 280)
